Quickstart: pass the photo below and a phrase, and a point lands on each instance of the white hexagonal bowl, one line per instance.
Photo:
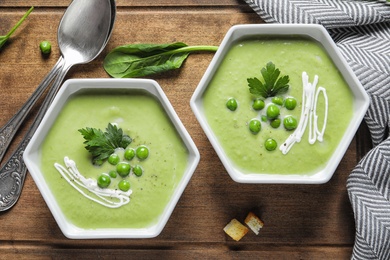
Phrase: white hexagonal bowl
(32, 156)
(316, 32)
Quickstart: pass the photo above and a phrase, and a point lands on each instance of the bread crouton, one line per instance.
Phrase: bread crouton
(253, 222)
(235, 229)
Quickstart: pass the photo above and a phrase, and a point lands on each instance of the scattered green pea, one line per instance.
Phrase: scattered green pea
(264, 118)
(112, 174)
(270, 144)
(129, 154)
(124, 185)
(273, 111)
(45, 47)
(113, 159)
(123, 169)
(137, 170)
(275, 123)
(290, 103)
(142, 152)
(255, 126)
(103, 181)
(231, 104)
(277, 101)
(258, 104)
(290, 122)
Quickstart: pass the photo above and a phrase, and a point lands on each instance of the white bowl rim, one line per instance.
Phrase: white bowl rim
(314, 31)
(70, 230)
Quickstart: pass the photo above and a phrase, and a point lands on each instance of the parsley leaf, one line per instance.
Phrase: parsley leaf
(273, 85)
(102, 144)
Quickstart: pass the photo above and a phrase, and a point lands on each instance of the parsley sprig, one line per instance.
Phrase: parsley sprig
(102, 144)
(273, 85)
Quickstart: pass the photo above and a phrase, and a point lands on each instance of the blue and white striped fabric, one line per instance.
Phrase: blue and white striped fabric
(361, 30)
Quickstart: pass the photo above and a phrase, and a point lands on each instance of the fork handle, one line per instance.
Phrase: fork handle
(13, 172)
(8, 131)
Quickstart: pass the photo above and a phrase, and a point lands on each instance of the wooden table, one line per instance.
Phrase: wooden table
(301, 221)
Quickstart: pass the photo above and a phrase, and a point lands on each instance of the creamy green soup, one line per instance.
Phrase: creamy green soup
(292, 56)
(142, 117)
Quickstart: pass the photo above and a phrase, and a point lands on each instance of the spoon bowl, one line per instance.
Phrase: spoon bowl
(83, 33)
(8, 130)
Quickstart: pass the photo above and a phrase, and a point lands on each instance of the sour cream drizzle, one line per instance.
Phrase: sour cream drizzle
(308, 115)
(72, 175)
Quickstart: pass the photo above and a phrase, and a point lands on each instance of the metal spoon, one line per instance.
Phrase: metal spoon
(82, 34)
(8, 131)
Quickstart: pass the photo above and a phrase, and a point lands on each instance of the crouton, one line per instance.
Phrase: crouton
(253, 222)
(235, 229)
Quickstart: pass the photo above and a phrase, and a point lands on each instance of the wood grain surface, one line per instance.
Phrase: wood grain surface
(301, 221)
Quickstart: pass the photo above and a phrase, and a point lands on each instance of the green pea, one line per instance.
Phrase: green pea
(113, 159)
(270, 144)
(273, 111)
(137, 170)
(275, 123)
(290, 103)
(112, 174)
(123, 169)
(231, 104)
(264, 118)
(45, 47)
(258, 104)
(129, 154)
(142, 152)
(98, 162)
(290, 122)
(255, 126)
(103, 181)
(124, 185)
(277, 101)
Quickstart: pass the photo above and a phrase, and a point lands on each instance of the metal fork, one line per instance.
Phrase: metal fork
(8, 131)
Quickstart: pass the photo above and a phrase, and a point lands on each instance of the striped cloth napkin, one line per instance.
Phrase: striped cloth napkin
(361, 30)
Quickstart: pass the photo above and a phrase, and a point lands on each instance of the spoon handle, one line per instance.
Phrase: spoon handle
(13, 171)
(8, 131)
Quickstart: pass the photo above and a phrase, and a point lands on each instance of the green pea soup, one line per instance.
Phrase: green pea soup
(292, 55)
(141, 116)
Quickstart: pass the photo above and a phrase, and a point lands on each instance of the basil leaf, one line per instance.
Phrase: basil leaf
(140, 60)
(145, 49)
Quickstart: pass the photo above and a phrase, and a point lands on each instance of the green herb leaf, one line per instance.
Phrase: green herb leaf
(4, 38)
(273, 85)
(102, 144)
(140, 60)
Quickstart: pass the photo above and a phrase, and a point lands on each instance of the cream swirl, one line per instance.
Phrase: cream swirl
(106, 197)
(308, 114)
